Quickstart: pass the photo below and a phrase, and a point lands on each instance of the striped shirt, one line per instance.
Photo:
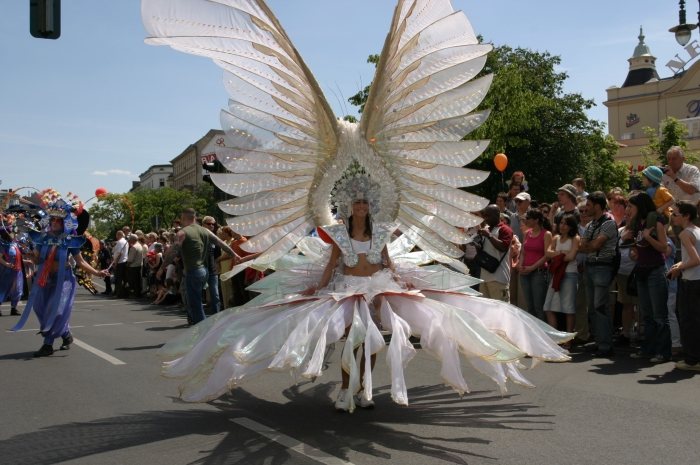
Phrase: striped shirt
(607, 227)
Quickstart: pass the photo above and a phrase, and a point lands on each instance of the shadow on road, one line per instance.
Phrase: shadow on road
(167, 328)
(153, 347)
(450, 421)
(672, 376)
(27, 356)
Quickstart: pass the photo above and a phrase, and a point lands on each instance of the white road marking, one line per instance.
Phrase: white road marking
(35, 330)
(98, 352)
(289, 442)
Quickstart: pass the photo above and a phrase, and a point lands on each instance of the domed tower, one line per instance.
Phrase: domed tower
(642, 64)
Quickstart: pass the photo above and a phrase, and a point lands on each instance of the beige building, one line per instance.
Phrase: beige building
(187, 167)
(645, 100)
(156, 176)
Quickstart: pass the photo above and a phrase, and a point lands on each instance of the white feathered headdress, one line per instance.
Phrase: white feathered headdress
(287, 151)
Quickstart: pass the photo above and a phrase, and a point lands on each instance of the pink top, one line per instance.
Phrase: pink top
(533, 247)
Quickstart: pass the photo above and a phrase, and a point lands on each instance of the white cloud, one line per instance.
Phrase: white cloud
(113, 172)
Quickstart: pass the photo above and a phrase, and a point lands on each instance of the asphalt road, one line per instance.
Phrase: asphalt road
(104, 402)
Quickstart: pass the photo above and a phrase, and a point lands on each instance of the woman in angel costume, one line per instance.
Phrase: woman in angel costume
(52, 293)
(290, 160)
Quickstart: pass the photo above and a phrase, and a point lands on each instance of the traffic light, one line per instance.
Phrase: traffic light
(45, 18)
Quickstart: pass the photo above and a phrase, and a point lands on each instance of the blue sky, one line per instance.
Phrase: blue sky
(97, 107)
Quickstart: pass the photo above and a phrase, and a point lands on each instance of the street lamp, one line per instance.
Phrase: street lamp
(683, 31)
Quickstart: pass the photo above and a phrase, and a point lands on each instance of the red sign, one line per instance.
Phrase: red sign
(208, 158)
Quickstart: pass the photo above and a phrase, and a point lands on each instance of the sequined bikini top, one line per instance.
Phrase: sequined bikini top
(381, 234)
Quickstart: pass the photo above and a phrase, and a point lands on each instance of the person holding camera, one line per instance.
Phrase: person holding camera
(680, 178)
(649, 235)
(497, 236)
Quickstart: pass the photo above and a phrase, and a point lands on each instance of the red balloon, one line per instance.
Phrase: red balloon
(500, 161)
(100, 192)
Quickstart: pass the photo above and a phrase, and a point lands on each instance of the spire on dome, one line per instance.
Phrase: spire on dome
(641, 49)
(642, 64)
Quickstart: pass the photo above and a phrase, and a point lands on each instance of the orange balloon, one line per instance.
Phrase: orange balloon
(100, 192)
(500, 161)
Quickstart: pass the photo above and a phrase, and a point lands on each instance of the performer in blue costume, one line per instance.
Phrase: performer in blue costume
(54, 287)
(11, 283)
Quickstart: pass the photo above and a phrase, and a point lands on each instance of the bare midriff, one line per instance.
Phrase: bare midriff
(363, 267)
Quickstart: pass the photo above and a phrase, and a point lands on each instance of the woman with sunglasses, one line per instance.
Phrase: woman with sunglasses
(533, 262)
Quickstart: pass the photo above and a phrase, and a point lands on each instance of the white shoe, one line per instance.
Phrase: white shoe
(342, 403)
(361, 402)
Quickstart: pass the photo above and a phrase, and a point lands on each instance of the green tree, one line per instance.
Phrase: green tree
(208, 201)
(360, 98)
(151, 208)
(544, 131)
(602, 171)
(110, 213)
(673, 133)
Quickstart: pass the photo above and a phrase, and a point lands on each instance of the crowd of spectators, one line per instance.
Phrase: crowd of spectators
(154, 266)
(619, 270)
(615, 268)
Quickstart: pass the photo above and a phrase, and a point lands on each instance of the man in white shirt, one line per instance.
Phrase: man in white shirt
(134, 263)
(120, 253)
(680, 178)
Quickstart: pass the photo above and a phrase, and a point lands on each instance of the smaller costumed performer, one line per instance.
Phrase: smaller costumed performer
(54, 287)
(11, 282)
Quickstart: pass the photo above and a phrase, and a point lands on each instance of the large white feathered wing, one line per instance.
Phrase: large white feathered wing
(420, 106)
(280, 130)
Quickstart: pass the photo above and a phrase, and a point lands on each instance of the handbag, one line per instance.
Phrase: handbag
(489, 262)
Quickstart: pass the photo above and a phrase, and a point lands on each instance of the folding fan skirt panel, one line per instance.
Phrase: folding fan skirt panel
(290, 333)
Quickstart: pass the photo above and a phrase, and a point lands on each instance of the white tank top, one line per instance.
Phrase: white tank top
(361, 246)
(691, 274)
(572, 266)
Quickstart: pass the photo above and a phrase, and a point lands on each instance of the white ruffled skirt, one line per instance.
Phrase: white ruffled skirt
(291, 334)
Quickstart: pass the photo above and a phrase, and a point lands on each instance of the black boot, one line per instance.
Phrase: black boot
(67, 341)
(45, 351)
(14, 312)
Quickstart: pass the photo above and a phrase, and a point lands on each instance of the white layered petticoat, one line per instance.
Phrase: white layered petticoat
(291, 334)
